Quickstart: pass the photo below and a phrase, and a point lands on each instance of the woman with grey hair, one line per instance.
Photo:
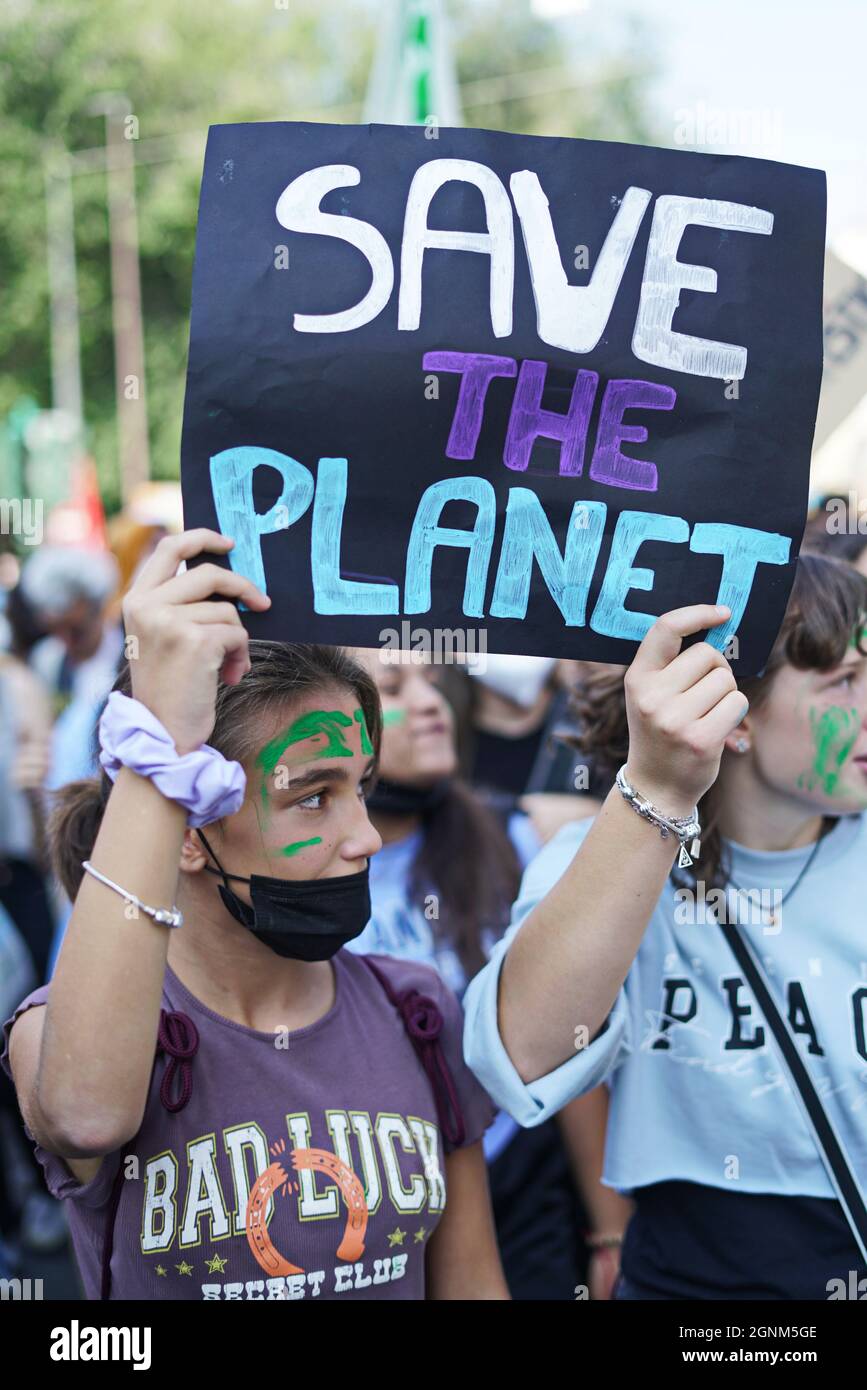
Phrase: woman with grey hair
(68, 589)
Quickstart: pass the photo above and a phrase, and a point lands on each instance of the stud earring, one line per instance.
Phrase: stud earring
(742, 745)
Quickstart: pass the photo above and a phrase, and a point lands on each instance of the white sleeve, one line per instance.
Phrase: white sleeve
(531, 1103)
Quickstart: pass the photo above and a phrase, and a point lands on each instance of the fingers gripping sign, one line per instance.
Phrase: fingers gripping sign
(187, 641)
(681, 706)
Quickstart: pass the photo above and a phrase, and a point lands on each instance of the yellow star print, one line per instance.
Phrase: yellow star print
(420, 1235)
(216, 1265)
(396, 1237)
(184, 1268)
(160, 1270)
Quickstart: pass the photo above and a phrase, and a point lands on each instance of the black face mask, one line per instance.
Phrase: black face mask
(308, 919)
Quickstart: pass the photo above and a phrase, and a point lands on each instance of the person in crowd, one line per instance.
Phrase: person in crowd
(30, 1218)
(17, 976)
(511, 702)
(442, 888)
(450, 867)
(68, 589)
(559, 785)
(309, 1128)
(20, 628)
(636, 966)
(25, 738)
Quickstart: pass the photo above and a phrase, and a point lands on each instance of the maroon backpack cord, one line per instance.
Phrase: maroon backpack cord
(423, 1023)
(178, 1037)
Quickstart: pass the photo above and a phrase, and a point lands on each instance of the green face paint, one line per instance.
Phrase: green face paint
(834, 733)
(393, 716)
(858, 638)
(326, 726)
(366, 745)
(289, 850)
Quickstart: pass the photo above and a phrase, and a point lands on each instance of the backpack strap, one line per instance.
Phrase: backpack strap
(423, 1023)
(178, 1037)
(825, 1137)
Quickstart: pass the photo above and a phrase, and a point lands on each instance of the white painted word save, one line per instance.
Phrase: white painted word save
(572, 317)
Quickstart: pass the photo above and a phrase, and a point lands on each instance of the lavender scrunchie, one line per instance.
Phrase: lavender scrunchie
(205, 782)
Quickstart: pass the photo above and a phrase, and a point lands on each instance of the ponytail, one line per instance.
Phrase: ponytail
(73, 826)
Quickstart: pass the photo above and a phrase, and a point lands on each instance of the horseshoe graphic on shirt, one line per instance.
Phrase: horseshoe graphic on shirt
(275, 1180)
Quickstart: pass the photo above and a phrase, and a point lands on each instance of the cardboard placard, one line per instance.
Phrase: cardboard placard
(534, 390)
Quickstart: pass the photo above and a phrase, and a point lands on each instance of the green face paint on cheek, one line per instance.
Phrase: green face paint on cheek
(834, 733)
(393, 716)
(289, 850)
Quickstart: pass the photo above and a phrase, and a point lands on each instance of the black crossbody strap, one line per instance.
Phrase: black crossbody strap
(825, 1136)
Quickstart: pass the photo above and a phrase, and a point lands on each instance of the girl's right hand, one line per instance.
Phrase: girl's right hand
(681, 707)
(184, 641)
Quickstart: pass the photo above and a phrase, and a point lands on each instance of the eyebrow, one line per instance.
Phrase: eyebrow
(846, 664)
(316, 777)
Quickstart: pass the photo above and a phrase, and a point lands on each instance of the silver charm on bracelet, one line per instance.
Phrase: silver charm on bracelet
(167, 916)
(683, 827)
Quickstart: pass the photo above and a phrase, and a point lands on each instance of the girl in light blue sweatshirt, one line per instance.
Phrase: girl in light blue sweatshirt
(615, 967)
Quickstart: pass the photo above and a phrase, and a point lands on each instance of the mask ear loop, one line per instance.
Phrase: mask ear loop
(219, 871)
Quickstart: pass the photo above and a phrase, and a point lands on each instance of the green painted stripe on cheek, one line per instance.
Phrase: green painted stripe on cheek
(289, 850)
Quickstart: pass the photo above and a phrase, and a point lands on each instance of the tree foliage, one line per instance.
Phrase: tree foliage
(183, 67)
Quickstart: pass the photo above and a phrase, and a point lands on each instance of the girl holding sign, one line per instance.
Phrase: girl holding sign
(308, 1110)
(619, 967)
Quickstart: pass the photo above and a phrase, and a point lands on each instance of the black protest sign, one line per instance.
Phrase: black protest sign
(528, 393)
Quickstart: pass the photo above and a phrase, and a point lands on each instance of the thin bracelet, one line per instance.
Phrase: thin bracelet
(594, 1242)
(169, 917)
(683, 827)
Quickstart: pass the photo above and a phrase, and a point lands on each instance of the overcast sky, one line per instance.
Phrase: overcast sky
(799, 66)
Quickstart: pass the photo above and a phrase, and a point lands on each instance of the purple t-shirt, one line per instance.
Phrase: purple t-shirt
(302, 1165)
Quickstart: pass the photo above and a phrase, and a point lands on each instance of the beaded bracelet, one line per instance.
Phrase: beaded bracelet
(682, 827)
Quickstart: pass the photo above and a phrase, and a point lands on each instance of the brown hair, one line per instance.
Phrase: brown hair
(281, 672)
(827, 606)
(468, 860)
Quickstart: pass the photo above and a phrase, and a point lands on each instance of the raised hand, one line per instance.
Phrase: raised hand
(185, 640)
(681, 705)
